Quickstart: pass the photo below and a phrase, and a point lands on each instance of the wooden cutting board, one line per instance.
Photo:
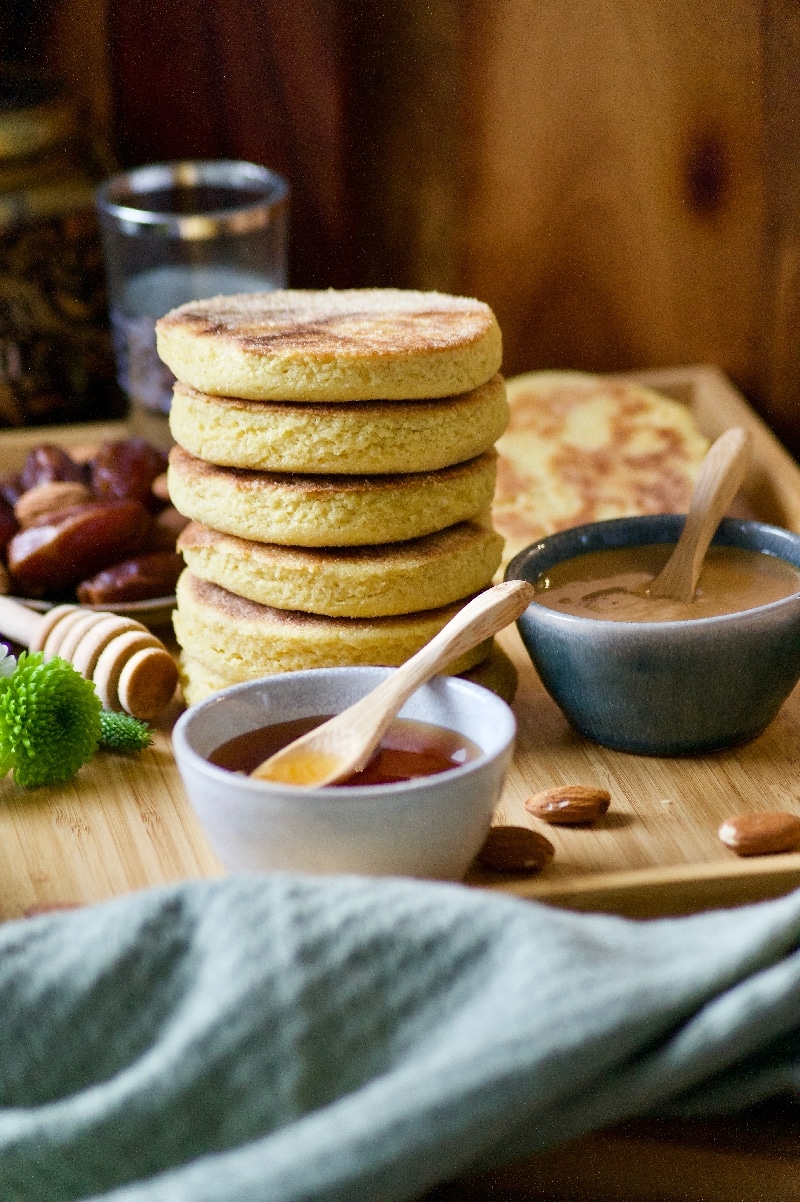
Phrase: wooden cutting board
(124, 824)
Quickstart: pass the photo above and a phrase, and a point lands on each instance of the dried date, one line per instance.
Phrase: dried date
(73, 547)
(138, 579)
(125, 470)
(59, 550)
(47, 463)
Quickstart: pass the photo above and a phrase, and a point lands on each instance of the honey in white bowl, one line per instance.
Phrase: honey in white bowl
(408, 749)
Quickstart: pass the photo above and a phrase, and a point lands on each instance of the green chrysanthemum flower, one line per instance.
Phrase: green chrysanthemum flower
(121, 732)
(49, 721)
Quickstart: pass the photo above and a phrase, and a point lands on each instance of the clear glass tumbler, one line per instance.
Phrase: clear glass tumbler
(176, 232)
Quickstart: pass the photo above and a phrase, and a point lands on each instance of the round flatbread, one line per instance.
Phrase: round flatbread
(496, 673)
(239, 640)
(581, 448)
(371, 437)
(329, 511)
(352, 345)
(357, 582)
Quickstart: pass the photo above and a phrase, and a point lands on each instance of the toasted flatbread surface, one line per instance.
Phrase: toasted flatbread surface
(347, 345)
(581, 448)
(198, 681)
(239, 640)
(329, 511)
(351, 582)
(356, 437)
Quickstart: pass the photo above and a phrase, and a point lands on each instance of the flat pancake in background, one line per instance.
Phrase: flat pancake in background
(496, 673)
(352, 582)
(360, 438)
(580, 448)
(239, 640)
(329, 511)
(353, 345)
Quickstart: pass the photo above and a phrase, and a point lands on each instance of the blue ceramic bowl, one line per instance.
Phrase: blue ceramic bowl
(664, 688)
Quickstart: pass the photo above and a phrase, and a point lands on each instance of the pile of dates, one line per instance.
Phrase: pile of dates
(101, 531)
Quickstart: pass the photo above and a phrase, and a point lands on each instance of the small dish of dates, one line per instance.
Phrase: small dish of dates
(99, 531)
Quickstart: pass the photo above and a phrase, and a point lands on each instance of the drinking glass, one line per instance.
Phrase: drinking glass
(177, 232)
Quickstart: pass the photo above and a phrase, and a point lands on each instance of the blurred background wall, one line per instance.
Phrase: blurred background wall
(617, 178)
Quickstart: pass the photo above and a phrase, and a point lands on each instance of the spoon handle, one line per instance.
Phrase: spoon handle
(720, 478)
(344, 743)
(481, 618)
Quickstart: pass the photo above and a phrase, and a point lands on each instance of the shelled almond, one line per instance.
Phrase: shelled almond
(569, 805)
(764, 834)
(48, 498)
(515, 849)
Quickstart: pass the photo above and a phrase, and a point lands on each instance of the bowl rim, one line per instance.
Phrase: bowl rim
(326, 795)
(515, 569)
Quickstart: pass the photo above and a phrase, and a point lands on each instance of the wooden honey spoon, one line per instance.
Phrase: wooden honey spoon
(131, 669)
(720, 477)
(343, 745)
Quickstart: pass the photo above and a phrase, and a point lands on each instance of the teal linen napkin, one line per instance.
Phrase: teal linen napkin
(285, 1038)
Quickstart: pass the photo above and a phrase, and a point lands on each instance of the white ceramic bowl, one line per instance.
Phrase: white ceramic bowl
(428, 827)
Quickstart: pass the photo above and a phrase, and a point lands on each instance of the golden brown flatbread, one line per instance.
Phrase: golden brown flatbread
(329, 511)
(349, 582)
(358, 344)
(355, 437)
(580, 448)
(240, 640)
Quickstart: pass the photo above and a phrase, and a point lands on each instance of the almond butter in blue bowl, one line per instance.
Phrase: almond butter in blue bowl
(650, 675)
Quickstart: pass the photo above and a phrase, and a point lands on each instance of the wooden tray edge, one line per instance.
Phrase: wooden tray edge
(662, 892)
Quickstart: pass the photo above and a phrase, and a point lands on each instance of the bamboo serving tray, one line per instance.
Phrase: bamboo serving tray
(124, 824)
(657, 851)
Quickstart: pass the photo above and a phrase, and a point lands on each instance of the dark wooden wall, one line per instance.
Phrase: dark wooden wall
(620, 179)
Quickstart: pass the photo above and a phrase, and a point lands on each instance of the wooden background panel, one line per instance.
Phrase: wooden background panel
(779, 346)
(621, 180)
(614, 186)
(406, 141)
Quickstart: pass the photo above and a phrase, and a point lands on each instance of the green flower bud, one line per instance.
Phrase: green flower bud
(49, 721)
(121, 732)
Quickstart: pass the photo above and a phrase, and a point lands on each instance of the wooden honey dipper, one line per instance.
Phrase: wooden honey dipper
(131, 669)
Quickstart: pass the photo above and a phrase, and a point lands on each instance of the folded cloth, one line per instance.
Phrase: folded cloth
(286, 1038)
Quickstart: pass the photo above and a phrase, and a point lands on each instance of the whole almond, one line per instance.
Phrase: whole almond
(515, 849)
(762, 834)
(569, 805)
(49, 498)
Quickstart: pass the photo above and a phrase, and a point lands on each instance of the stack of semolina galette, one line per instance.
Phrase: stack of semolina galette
(335, 452)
